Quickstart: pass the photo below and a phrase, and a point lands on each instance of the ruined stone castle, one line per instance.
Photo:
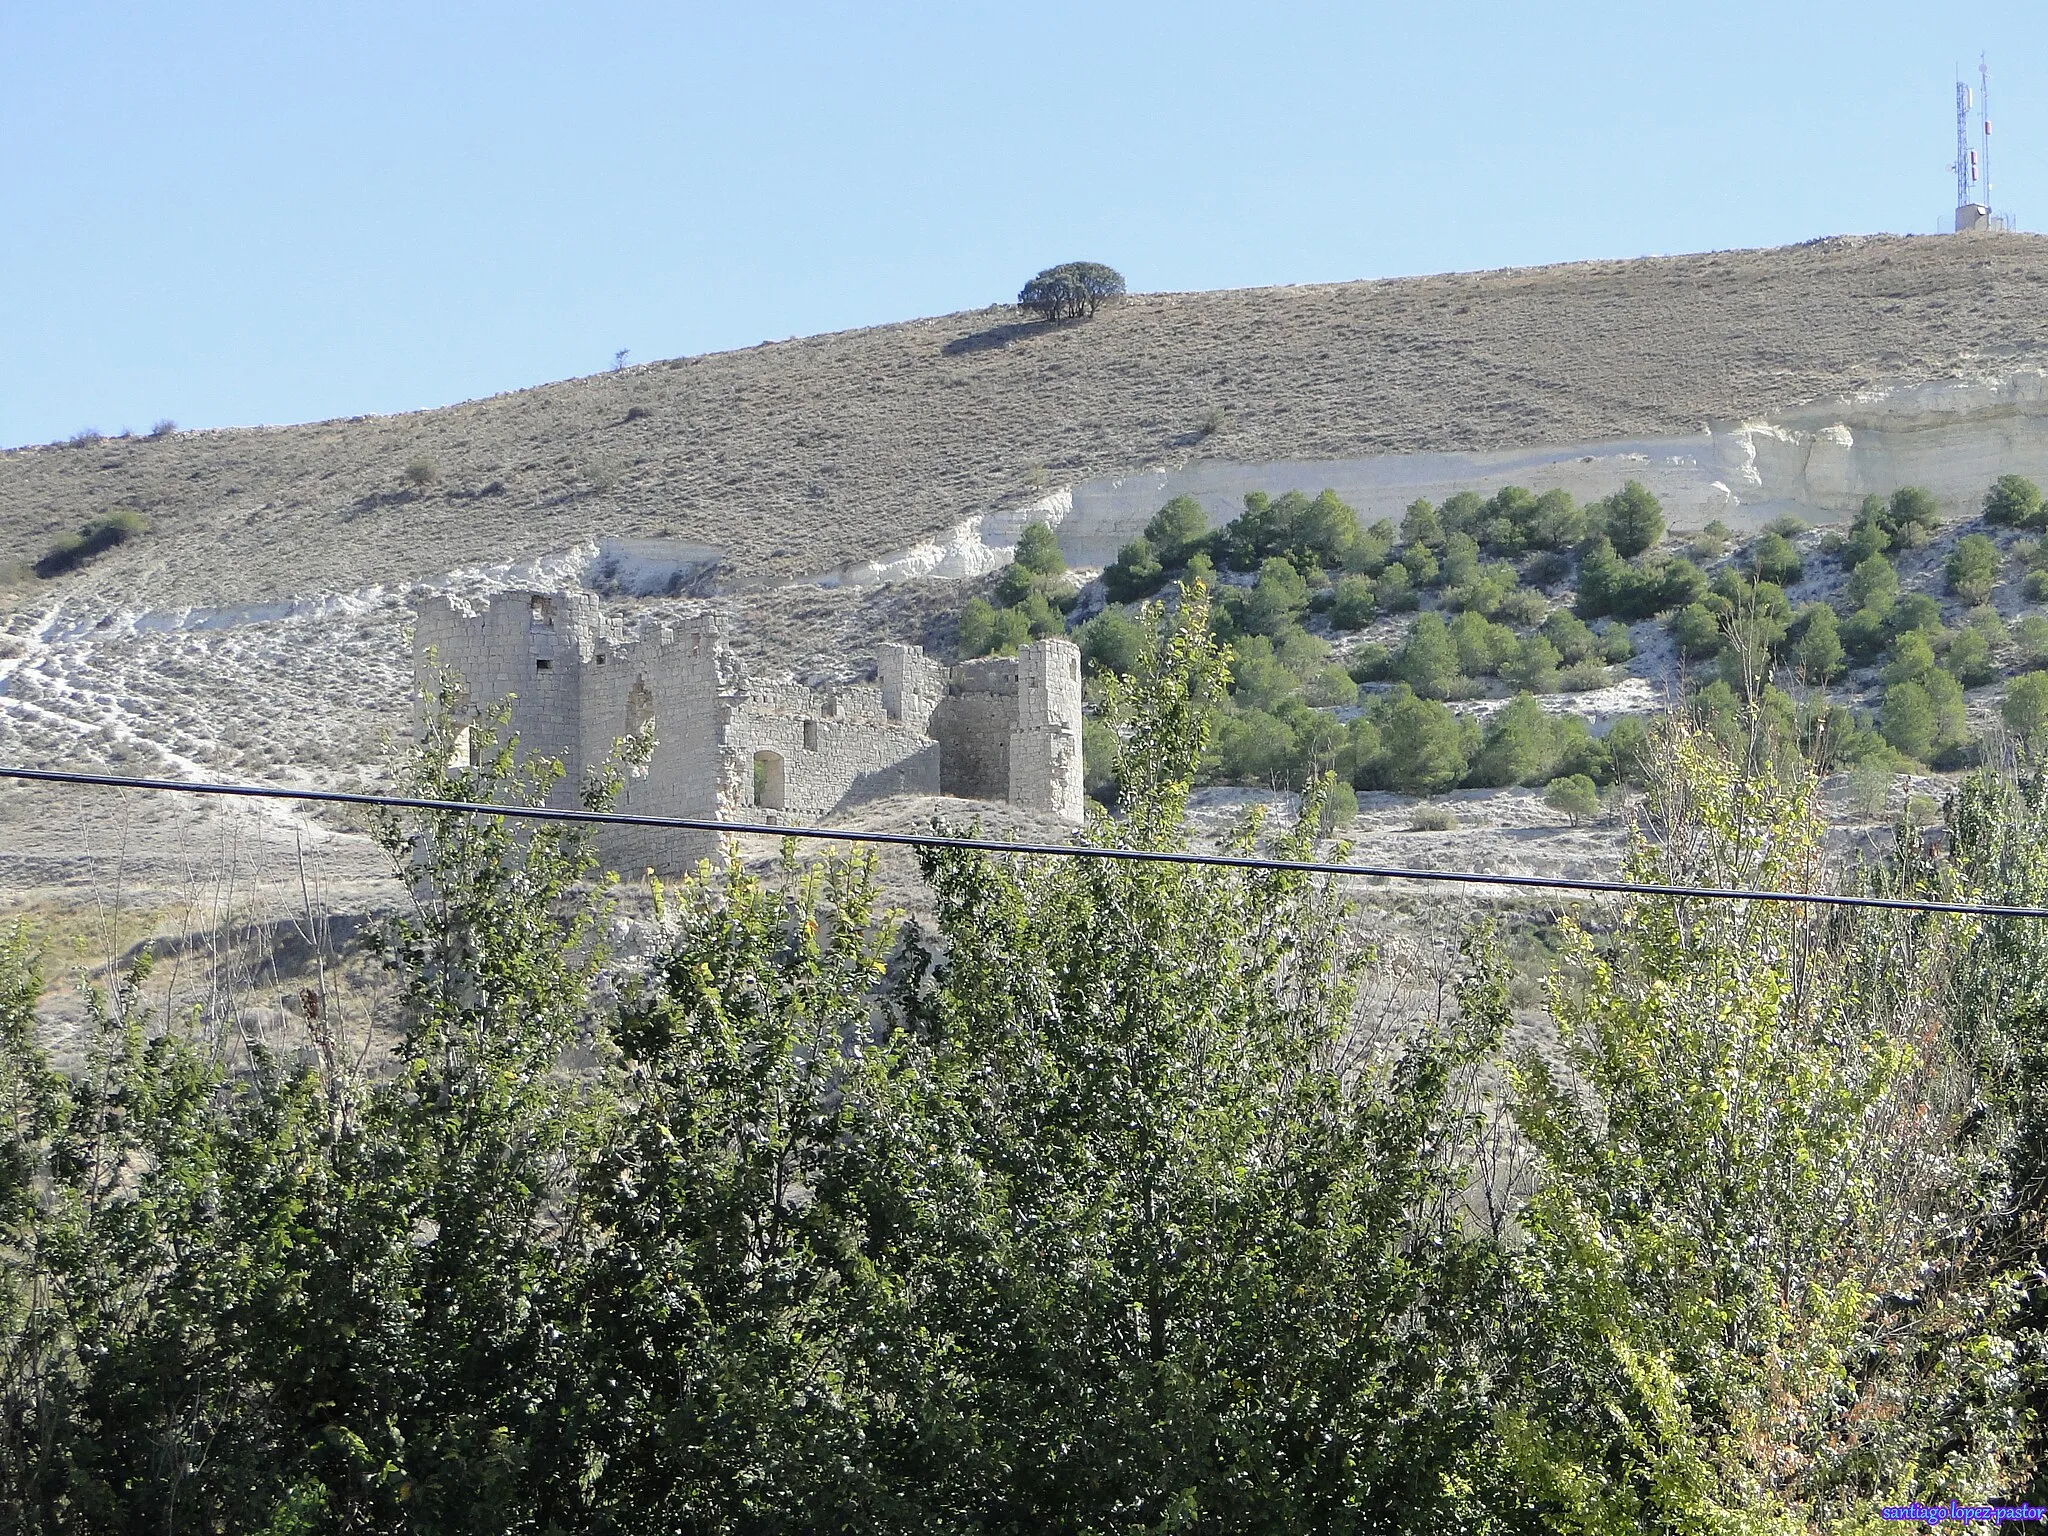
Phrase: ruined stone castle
(1005, 728)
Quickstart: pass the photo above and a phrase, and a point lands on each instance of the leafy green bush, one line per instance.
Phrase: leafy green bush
(94, 538)
(1874, 584)
(986, 630)
(2013, 501)
(2025, 708)
(2030, 635)
(1972, 568)
(1353, 606)
(1429, 662)
(1774, 558)
(1819, 647)
(1038, 550)
(1574, 796)
(1072, 290)
(1696, 630)
(1533, 667)
(1109, 642)
(1422, 746)
(1135, 573)
(1634, 519)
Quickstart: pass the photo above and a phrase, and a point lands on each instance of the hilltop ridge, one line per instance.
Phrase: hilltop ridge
(798, 458)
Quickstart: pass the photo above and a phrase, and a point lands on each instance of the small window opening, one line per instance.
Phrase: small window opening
(810, 735)
(543, 666)
(768, 782)
(542, 610)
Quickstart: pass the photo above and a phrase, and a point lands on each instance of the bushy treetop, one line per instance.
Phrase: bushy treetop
(1072, 290)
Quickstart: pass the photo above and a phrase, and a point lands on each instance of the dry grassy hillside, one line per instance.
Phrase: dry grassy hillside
(798, 457)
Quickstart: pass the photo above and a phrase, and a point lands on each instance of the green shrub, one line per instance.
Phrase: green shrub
(2030, 635)
(1711, 542)
(1429, 661)
(1254, 747)
(1521, 606)
(1041, 619)
(1432, 818)
(1519, 746)
(1574, 796)
(1422, 744)
(1533, 666)
(1135, 573)
(1865, 632)
(1038, 550)
(1915, 611)
(2025, 706)
(2035, 587)
(1422, 565)
(1395, 590)
(1969, 658)
(1177, 529)
(1340, 808)
(1697, 631)
(1099, 748)
(94, 538)
(1482, 645)
(1615, 644)
(1278, 600)
(2013, 501)
(1421, 525)
(1972, 568)
(1774, 558)
(991, 631)
(1073, 290)
(1584, 677)
(1353, 606)
(1110, 642)
(1914, 517)
(1331, 688)
(1634, 518)
(1874, 584)
(1819, 648)
(1568, 632)
(1371, 664)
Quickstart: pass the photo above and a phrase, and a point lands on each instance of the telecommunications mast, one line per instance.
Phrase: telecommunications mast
(1965, 166)
(1973, 166)
(1984, 117)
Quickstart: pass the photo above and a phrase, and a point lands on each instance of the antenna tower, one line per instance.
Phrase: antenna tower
(1984, 117)
(1964, 169)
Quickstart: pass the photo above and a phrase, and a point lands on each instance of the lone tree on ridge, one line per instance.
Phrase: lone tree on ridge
(1071, 291)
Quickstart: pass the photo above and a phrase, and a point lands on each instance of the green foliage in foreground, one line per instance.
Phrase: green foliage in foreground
(1106, 1203)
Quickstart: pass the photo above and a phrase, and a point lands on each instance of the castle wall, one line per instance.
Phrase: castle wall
(824, 748)
(1003, 728)
(1045, 741)
(912, 685)
(576, 685)
(972, 724)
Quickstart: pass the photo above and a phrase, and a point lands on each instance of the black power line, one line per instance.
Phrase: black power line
(1056, 850)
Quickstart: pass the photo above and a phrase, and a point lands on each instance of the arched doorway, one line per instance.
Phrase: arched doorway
(768, 780)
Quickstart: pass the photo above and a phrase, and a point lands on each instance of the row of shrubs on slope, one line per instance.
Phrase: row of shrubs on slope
(1106, 1196)
(1485, 629)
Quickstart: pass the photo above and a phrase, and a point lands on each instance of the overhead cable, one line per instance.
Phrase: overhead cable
(1004, 846)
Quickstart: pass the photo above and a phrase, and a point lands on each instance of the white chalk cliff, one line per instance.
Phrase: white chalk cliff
(1952, 437)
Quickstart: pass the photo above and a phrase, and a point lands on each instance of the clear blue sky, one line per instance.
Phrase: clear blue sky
(229, 213)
